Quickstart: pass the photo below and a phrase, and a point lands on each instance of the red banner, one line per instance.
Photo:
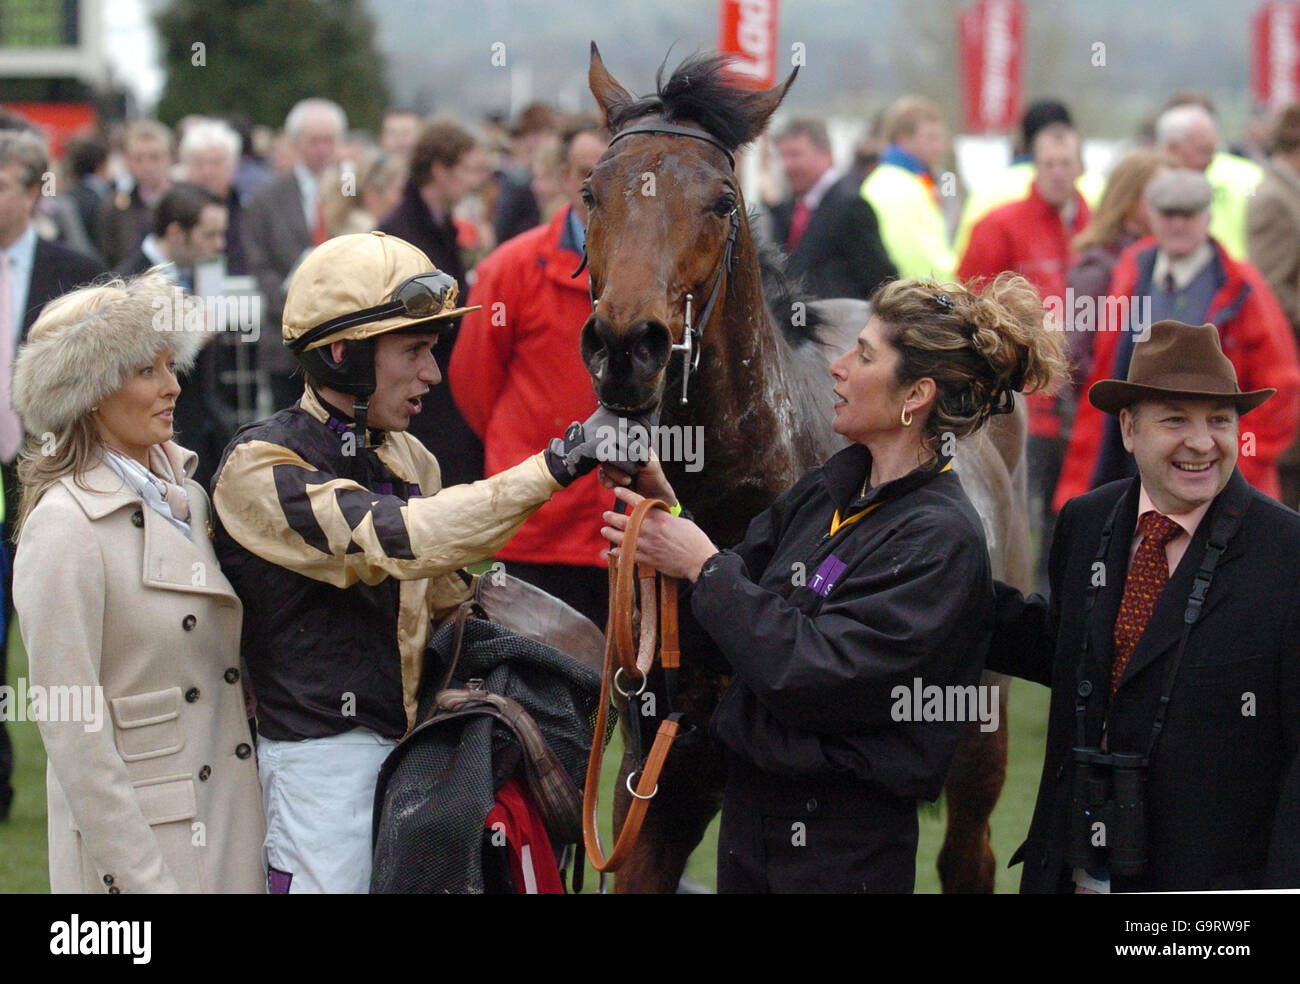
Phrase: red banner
(59, 121)
(991, 37)
(1275, 55)
(747, 32)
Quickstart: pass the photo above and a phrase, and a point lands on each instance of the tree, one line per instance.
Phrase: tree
(261, 56)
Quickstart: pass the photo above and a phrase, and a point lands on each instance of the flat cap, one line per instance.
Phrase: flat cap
(1179, 190)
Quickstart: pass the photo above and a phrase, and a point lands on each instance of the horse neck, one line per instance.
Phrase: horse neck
(740, 399)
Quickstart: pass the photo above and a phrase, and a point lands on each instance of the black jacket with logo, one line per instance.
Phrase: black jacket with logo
(820, 630)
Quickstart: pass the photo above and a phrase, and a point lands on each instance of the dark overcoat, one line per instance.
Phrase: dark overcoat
(1223, 787)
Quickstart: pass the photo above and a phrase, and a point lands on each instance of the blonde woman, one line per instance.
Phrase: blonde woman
(153, 788)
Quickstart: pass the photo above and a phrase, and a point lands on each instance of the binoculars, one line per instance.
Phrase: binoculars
(1107, 820)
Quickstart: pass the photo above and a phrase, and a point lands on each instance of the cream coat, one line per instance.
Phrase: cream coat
(165, 797)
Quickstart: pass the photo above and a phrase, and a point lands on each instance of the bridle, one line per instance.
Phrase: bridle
(693, 332)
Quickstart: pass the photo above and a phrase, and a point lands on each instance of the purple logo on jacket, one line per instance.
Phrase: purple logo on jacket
(827, 574)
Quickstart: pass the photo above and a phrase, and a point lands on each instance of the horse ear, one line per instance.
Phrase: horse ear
(610, 96)
(764, 105)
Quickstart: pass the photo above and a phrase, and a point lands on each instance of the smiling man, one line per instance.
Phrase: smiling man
(1172, 649)
(337, 535)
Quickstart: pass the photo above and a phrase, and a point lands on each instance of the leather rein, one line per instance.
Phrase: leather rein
(628, 661)
(692, 332)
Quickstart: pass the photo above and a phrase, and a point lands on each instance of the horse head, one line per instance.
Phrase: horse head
(667, 224)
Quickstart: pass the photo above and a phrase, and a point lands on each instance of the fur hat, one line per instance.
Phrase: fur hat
(87, 344)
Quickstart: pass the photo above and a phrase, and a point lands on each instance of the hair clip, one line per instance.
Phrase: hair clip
(944, 301)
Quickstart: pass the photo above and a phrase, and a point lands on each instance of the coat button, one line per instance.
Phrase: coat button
(114, 891)
(137, 518)
(1060, 770)
(243, 750)
(192, 694)
(108, 879)
(811, 806)
(1085, 688)
(204, 773)
(188, 622)
(232, 675)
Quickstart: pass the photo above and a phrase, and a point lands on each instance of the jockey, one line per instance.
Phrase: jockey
(338, 537)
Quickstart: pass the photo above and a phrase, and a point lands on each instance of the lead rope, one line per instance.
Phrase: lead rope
(630, 657)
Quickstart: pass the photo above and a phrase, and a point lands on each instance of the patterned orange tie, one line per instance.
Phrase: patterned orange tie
(1147, 576)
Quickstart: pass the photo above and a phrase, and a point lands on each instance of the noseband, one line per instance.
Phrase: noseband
(692, 332)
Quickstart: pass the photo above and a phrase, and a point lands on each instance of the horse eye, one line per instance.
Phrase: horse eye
(588, 199)
(724, 206)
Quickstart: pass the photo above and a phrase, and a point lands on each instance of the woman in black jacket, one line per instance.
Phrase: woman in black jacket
(862, 586)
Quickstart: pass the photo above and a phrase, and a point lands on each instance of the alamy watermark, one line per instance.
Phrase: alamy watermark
(73, 702)
(950, 703)
(73, 937)
(633, 442)
(238, 313)
(1085, 312)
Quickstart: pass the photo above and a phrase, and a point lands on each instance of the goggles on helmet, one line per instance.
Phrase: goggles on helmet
(421, 296)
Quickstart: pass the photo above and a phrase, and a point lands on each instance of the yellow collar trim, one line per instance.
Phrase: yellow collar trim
(838, 524)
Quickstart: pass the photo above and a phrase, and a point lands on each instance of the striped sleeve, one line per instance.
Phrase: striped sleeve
(279, 507)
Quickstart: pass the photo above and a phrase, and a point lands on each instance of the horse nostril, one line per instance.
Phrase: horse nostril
(595, 343)
(642, 349)
(648, 344)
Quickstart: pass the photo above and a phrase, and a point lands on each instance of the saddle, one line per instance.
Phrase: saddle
(495, 708)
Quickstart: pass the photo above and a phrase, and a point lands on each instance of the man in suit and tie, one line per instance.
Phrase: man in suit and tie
(828, 230)
(32, 272)
(284, 219)
(1171, 644)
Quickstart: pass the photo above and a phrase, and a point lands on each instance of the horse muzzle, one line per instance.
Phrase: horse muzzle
(627, 366)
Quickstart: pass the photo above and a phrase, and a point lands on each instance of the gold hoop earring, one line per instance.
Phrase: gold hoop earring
(905, 418)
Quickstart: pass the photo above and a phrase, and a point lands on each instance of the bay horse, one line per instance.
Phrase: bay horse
(680, 325)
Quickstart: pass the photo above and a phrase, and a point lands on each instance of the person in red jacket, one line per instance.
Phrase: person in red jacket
(1181, 272)
(1032, 237)
(516, 368)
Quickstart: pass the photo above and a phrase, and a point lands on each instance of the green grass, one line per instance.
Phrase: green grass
(24, 866)
(1027, 719)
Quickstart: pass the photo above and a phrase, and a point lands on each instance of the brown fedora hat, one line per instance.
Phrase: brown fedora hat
(1177, 361)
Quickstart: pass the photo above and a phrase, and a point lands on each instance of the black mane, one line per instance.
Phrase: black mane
(786, 296)
(700, 92)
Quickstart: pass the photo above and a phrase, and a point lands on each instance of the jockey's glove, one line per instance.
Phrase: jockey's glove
(603, 438)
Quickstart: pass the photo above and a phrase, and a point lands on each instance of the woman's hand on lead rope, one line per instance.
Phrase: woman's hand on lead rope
(650, 480)
(670, 544)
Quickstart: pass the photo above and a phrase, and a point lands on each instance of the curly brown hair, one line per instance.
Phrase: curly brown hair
(980, 342)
